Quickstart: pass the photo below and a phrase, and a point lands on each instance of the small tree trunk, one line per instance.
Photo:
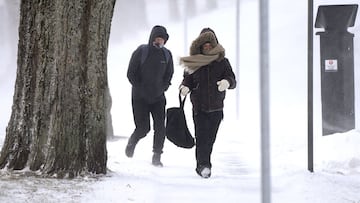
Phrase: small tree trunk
(58, 120)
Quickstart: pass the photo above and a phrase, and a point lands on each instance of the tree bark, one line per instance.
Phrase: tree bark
(58, 120)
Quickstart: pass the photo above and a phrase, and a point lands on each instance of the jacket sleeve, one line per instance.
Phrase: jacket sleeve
(229, 74)
(134, 66)
(168, 73)
(188, 80)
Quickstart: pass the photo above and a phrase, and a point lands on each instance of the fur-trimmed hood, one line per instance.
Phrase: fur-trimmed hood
(197, 58)
(204, 37)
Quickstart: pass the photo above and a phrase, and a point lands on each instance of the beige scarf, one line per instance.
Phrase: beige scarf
(194, 62)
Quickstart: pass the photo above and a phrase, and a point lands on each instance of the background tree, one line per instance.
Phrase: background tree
(211, 4)
(61, 98)
(131, 18)
(191, 8)
(174, 10)
(9, 21)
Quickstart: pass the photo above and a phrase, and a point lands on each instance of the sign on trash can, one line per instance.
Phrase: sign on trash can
(331, 65)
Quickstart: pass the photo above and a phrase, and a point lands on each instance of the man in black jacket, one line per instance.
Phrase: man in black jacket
(150, 71)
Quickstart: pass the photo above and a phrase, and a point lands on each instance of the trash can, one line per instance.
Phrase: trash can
(337, 67)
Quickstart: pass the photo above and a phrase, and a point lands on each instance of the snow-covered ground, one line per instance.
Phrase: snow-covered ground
(236, 156)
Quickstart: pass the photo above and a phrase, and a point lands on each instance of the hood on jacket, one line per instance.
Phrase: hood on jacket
(204, 37)
(158, 31)
(207, 29)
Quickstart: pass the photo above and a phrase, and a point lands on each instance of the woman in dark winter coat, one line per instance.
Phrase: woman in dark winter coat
(150, 72)
(207, 76)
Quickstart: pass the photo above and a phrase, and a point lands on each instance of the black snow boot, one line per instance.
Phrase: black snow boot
(130, 147)
(203, 171)
(156, 160)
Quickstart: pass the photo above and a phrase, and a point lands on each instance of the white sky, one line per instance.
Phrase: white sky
(236, 156)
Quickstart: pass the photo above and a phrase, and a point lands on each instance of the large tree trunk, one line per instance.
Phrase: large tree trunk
(58, 120)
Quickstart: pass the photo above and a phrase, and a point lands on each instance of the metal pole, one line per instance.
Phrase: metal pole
(185, 27)
(237, 65)
(310, 86)
(264, 97)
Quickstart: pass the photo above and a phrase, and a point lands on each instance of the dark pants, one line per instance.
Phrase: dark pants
(206, 127)
(141, 112)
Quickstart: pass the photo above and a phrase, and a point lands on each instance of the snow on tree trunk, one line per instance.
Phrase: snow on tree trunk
(61, 99)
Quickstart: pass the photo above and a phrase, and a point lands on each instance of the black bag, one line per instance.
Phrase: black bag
(176, 128)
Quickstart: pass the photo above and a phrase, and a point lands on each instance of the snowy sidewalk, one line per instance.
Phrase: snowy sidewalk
(235, 177)
(136, 180)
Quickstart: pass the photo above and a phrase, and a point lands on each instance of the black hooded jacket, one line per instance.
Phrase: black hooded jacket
(205, 95)
(151, 78)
